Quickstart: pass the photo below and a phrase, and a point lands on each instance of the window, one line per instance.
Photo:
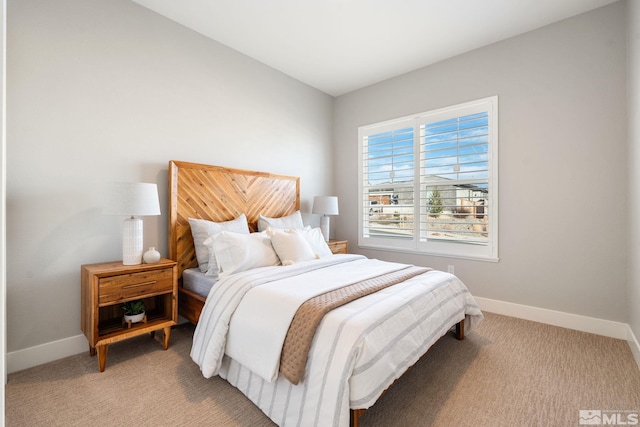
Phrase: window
(429, 182)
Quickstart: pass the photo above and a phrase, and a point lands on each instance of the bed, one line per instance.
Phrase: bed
(365, 340)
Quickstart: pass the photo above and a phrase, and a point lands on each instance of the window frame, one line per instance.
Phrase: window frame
(416, 243)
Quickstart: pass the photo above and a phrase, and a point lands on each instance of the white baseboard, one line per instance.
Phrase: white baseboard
(592, 325)
(44, 353)
(634, 345)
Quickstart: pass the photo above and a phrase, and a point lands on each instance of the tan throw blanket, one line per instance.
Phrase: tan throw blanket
(303, 327)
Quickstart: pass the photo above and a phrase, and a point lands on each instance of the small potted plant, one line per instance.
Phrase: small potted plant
(133, 311)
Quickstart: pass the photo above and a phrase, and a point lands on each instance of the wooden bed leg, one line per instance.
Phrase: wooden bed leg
(460, 330)
(355, 417)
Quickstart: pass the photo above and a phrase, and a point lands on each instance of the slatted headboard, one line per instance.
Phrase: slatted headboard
(220, 194)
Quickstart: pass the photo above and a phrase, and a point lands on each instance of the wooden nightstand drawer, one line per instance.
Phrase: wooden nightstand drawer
(339, 246)
(131, 286)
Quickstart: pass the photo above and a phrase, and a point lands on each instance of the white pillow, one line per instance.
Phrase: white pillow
(290, 221)
(291, 247)
(202, 229)
(239, 252)
(316, 241)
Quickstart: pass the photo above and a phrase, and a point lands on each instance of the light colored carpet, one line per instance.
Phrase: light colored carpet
(508, 372)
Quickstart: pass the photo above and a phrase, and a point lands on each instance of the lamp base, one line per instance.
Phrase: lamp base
(324, 226)
(132, 241)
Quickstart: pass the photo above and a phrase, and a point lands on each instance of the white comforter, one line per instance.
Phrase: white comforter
(359, 348)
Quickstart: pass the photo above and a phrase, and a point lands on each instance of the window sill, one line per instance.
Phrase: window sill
(435, 254)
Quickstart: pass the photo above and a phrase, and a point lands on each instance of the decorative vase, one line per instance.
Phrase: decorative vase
(151, 256)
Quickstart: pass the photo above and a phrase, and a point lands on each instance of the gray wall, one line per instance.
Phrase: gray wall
(563, 161)
(3, 285)
(105, 90)
(634, 165)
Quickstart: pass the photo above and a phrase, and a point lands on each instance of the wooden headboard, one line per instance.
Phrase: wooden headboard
(219, 194)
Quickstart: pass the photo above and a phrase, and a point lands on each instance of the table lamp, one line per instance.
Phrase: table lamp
(325, 206)
(133, 199)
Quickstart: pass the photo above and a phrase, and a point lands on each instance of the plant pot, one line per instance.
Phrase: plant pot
(134, 318)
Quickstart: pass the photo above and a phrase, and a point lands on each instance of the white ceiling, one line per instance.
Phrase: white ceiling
(339, 46)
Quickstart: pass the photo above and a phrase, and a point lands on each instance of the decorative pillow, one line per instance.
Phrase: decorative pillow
(239, 252)
(291, 247)
(202, 229)
(290, 221)
(316, 241)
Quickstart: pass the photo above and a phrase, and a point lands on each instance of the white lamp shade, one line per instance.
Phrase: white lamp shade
(325, 205)
(133, 199)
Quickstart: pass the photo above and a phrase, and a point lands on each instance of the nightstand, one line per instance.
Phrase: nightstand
(105, 286)
(338, 246)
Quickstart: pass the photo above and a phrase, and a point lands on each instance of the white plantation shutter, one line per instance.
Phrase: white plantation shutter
(429, 182)
(387, 186)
